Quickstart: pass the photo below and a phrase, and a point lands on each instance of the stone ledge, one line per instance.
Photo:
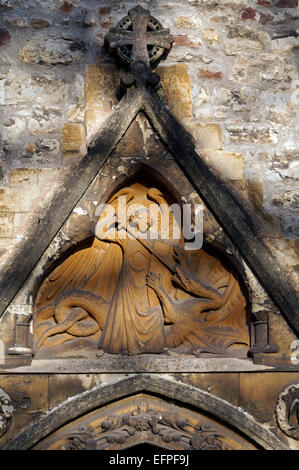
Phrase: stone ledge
(141, 363)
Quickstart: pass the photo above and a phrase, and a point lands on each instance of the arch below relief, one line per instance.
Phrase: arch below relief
(152, 393)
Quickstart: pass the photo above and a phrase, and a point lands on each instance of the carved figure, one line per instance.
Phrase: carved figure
(127, 294)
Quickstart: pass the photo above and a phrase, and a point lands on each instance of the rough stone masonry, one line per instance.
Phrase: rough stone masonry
(231, 78)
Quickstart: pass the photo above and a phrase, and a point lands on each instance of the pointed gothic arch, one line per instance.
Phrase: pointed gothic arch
(233, 419)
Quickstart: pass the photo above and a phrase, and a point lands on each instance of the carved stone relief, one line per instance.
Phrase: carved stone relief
(6, 411)
(287, 411)
(144, 419)
(122, 293)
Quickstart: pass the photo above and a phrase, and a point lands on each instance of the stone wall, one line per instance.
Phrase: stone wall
(231, 78)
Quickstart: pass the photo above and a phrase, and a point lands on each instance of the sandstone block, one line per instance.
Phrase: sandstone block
(242, 133)
(229, 164)
(208, 136)
(6, 224)
(13, 131)
(76, 114)
(48, 177)
(188, 41)
(37, 89)
(40, 23)
(73, 141)
(48, 147)
(210, 36)
(29, 149)
(50, 51)
(11, 200)
(284, 44)
(23, 177)
(101, 88)
(187, 22)
(176, 84)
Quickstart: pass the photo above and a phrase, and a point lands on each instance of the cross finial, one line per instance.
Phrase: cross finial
(139, 38)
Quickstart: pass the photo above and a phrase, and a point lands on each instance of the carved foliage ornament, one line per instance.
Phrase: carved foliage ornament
(144, 419)
(131, 295)
(6, 411)
(287, 411)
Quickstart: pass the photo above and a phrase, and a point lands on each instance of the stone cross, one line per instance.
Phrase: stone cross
(139, 38)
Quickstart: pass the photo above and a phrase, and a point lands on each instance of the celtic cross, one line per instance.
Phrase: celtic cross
(139, 37)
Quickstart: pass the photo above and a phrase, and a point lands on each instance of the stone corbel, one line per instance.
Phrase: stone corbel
(260, 334)
(21, 336)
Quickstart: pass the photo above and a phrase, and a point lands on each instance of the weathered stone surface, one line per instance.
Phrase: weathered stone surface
(248, 14)
(210, 36)
(73, 141)
(47, 147)
(50, 51)
(66, 6)
(11, 201)
(76, 114)
(229, 164)
(188, 22)
(177, 88)
(40, 23)
(188, 41)
(29, 394)
(101, 89)
(45, 120)
(23, 177)
(208, 136)
(287, 4)
(6, 224)
(4, 37)
(61, 386)
(29, 149)
(204, 73)
(35, 89)
(15, 128)
(259, 391)
(15, 20)
(284, 44)
(49, 177)
(238, 132)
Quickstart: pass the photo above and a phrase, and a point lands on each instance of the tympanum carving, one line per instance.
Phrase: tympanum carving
(144, 419)
(126, 294)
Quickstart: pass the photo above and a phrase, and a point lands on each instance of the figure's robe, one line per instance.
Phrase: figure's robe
(135, 322)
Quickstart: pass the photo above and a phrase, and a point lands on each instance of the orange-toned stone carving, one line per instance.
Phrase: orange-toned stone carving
(144, 419)
(124, 293)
